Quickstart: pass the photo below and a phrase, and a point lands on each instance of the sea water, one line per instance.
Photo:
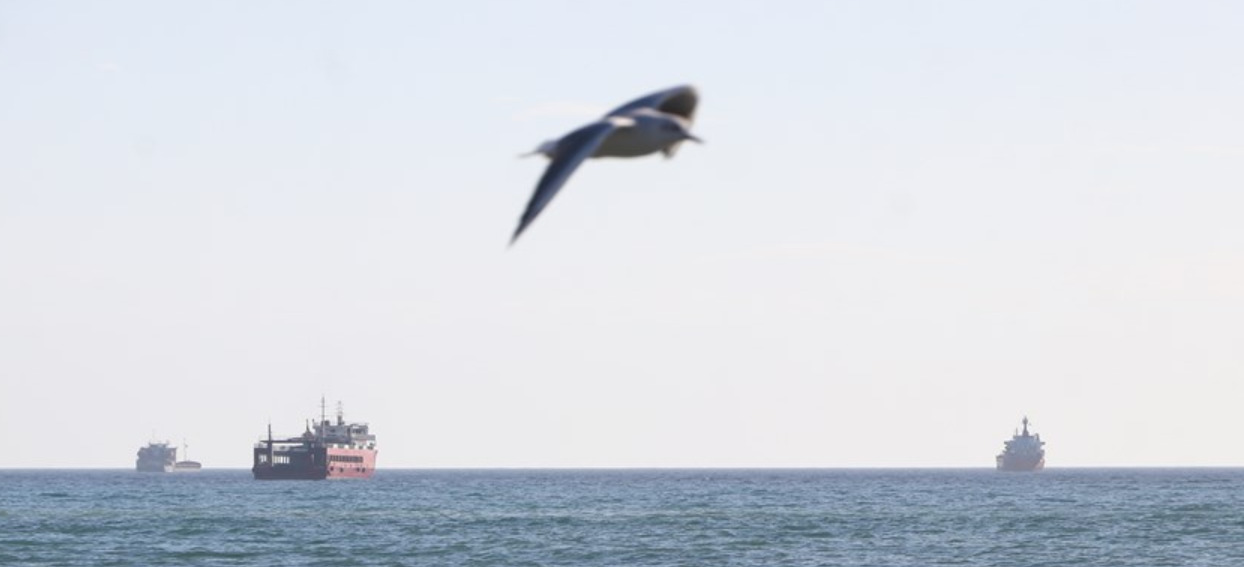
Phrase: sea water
(1066, 517)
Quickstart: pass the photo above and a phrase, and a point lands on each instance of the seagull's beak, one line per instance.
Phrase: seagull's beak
(693, 138)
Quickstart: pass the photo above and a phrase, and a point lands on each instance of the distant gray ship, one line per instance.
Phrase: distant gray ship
(1024, 452)
(162, 458)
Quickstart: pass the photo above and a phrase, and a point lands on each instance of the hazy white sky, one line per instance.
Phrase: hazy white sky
(912, 224)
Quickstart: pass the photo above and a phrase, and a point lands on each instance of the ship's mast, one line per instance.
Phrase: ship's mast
(1025, 426)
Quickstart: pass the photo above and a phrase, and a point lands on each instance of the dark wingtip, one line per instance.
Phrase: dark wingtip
(517, 232)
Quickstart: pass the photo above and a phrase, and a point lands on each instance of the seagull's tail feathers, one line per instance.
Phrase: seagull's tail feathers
(547, 149)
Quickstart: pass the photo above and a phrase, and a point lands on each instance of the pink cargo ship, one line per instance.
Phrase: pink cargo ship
(327, 450)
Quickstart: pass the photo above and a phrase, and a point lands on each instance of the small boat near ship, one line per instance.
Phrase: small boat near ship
(1024, 452)
(187, 465)
(326, 450)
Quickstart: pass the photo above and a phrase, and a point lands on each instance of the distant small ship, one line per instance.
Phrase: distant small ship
(1024, 452)
(162, 458)
(156, 457)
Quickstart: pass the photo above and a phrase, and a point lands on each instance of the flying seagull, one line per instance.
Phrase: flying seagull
(656, 122)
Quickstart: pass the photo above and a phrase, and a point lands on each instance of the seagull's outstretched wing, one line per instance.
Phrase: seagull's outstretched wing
(679, 100)
(571, 151)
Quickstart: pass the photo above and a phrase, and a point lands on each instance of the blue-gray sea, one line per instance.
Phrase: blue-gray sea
(627, 517)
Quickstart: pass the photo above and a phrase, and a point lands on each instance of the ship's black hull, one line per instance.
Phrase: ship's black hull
(314, 463)
(288, 473)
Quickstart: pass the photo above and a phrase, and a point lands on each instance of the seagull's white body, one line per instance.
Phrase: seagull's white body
(658, 122)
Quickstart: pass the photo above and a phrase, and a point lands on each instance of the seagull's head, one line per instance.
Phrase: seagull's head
(678, 129)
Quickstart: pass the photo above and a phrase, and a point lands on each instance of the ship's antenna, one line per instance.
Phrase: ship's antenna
(323, 411)
(341, 413)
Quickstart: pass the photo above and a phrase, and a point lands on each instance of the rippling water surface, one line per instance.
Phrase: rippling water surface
(628, 517)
